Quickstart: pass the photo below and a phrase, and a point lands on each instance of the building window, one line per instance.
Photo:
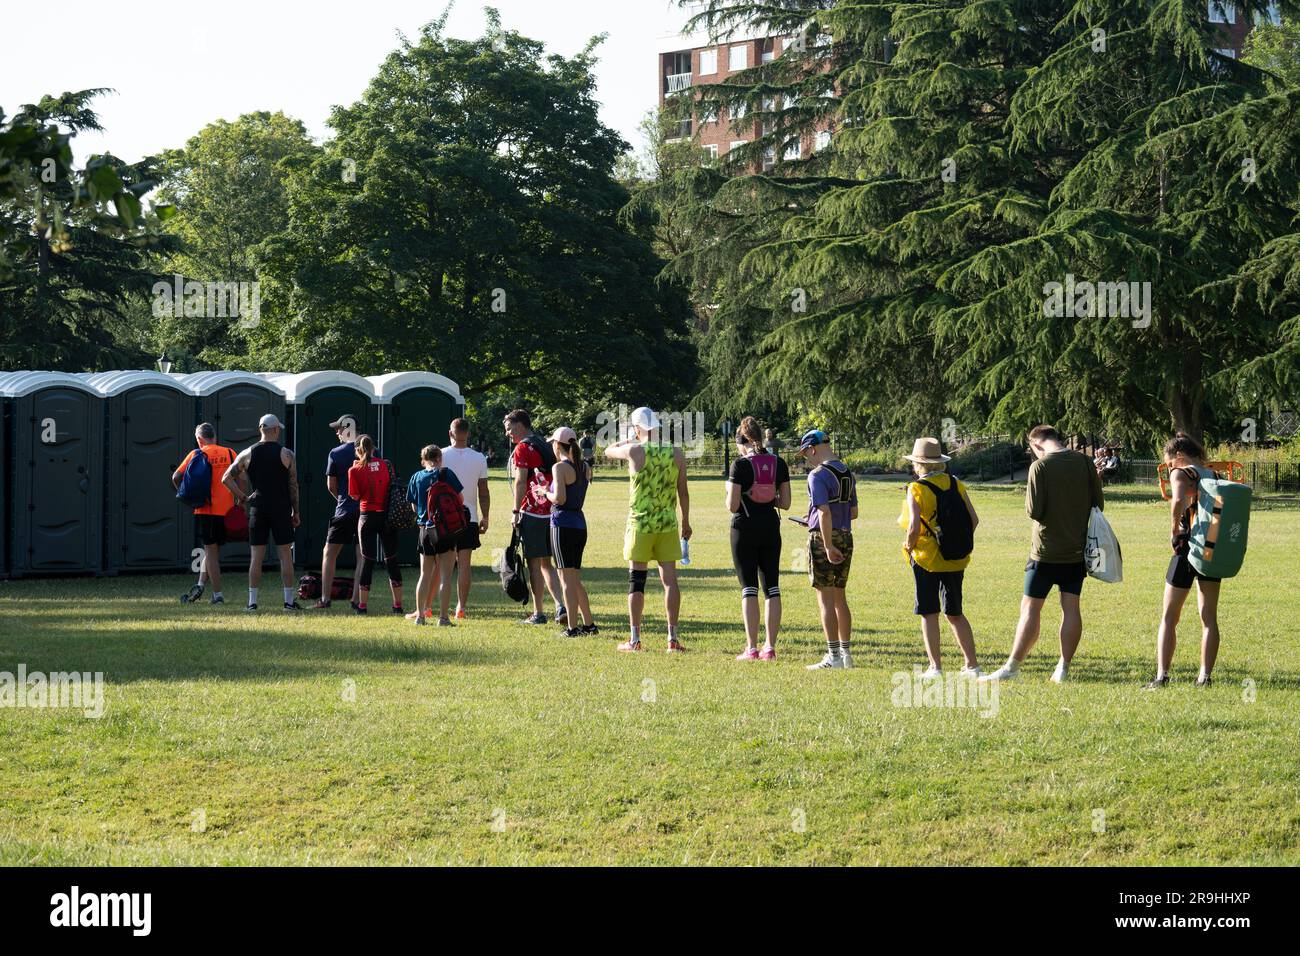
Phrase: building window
(739, 57)
(793, 151)
(1223, 11)
(708, 62)
(768, 50)
(1273, 15)
(712, 150)
(736, 144)
(709, 114)
(738, 112)
(769, 158)
(821, 140)
(1227, 51)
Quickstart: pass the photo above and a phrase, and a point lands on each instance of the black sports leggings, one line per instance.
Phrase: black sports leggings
(756, 552)
(374, 527)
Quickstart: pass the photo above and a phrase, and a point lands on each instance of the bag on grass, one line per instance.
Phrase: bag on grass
(1218, 529)
(1101, 554)
(514, 570)
(309, 587)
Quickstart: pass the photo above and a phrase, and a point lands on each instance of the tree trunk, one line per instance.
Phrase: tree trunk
(1187, 396)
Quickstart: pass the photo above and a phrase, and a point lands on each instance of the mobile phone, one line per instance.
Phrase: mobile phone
(797, 520)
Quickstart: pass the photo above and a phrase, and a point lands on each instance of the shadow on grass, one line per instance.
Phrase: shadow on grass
(249, 652)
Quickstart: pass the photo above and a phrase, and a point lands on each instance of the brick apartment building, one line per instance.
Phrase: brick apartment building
(685, 62)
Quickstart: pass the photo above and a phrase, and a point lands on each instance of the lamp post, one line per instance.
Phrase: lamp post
(164, 363)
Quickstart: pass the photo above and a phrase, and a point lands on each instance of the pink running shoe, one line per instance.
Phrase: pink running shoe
(750, 654)
(767, 654)
(675, 647)
(630, 646)
(460, 614)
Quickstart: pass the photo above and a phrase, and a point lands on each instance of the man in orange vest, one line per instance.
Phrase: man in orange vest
(209, 519)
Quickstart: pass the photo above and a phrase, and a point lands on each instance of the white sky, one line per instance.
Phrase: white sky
(177, 66)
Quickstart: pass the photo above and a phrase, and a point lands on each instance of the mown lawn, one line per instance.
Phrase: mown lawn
(230, 739)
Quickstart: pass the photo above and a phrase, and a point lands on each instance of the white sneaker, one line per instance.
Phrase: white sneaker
(970, 672)
(1061, 673)
(931, 673)
(826, 663)
(846, 659)
(1005, 672)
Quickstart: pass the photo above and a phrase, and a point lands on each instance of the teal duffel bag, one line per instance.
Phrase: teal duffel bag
(1218, 532)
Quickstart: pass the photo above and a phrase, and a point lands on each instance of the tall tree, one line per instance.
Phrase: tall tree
(464, 218)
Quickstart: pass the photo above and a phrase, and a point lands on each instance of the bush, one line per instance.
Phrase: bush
(989, 462)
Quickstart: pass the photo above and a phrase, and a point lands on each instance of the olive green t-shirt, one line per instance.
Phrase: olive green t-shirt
(1063, 489)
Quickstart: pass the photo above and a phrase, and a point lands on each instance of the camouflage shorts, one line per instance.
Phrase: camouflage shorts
(821, 572)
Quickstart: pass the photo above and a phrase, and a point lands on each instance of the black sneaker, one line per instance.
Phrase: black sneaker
(360, 609)
(251, 608)
(291, 606)
(1203, 681)
(573, 632)
(561, 615)
(1157, 683)
(398, 609)
(589, 629)
(534, 619)
(193, 594)
(321, 604)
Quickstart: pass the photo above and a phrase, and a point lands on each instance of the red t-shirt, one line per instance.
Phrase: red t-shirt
(535, 500)
(368, 483)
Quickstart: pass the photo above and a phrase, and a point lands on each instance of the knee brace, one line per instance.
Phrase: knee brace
(636, 581)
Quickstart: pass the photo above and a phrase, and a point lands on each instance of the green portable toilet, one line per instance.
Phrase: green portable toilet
(6, 457)
(415, 409)
(55, 492)
(150, 431)
(313, 400)
(234, 402)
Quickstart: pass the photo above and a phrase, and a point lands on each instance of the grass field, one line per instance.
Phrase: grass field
(230, 739)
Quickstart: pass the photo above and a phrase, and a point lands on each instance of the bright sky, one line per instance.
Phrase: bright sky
(177, 66)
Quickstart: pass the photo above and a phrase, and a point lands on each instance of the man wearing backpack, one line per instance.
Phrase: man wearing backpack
(210, 516)
(940, 525)
(347, 510)
(832, 509)
(532, 461)
(440, 514)
(1063, 489)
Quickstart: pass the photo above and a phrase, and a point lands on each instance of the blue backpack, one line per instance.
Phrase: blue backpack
(195, 489)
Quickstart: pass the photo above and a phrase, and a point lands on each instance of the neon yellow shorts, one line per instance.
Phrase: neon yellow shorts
(662, 547)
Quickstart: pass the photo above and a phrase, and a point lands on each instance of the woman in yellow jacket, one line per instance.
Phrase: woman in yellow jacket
(938, 580)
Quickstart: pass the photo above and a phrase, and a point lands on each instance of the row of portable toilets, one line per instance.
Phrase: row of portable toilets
(86, 459)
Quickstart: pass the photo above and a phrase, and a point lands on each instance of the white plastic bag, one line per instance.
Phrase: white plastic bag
(1102, 555)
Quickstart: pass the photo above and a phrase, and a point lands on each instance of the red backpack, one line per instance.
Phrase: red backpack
(446, 508)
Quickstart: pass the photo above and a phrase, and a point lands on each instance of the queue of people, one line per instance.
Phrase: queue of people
(449, 502)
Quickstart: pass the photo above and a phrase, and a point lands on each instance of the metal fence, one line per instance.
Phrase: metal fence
(1273, 477)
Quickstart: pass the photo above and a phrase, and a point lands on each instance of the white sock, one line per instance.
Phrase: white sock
(252, 595)
(1012, 664)
(672, 632)
(636, 634)
(1203, 675)
(288, 595)
(1062, 664)
(199, 584)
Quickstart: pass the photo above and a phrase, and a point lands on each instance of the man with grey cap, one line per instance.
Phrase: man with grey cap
(347, 510)
(271, 471)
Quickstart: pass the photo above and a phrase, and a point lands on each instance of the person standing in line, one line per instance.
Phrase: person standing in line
(271, 471)
(658, 487)
(1185, 457)
(832, 509)
(934, 576)
(588, 445)
(347, 511)
(209, 519)
(369, 479)
(471, 469)
(532, 460)
(1063, 489)
(757, 486)
(438, 552)
(570, 479)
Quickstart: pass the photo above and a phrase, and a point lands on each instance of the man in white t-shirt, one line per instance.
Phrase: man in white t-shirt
(470, 467)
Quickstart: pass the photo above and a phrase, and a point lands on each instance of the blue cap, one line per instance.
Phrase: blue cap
(814, 437)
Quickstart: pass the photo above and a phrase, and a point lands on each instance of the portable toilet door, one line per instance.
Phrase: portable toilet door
(234, 402)
(415, 409)
(313, 400)
(6, 458)
(57, 474)
(150, 431)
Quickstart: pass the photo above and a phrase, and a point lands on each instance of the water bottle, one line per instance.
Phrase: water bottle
(686, 552)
